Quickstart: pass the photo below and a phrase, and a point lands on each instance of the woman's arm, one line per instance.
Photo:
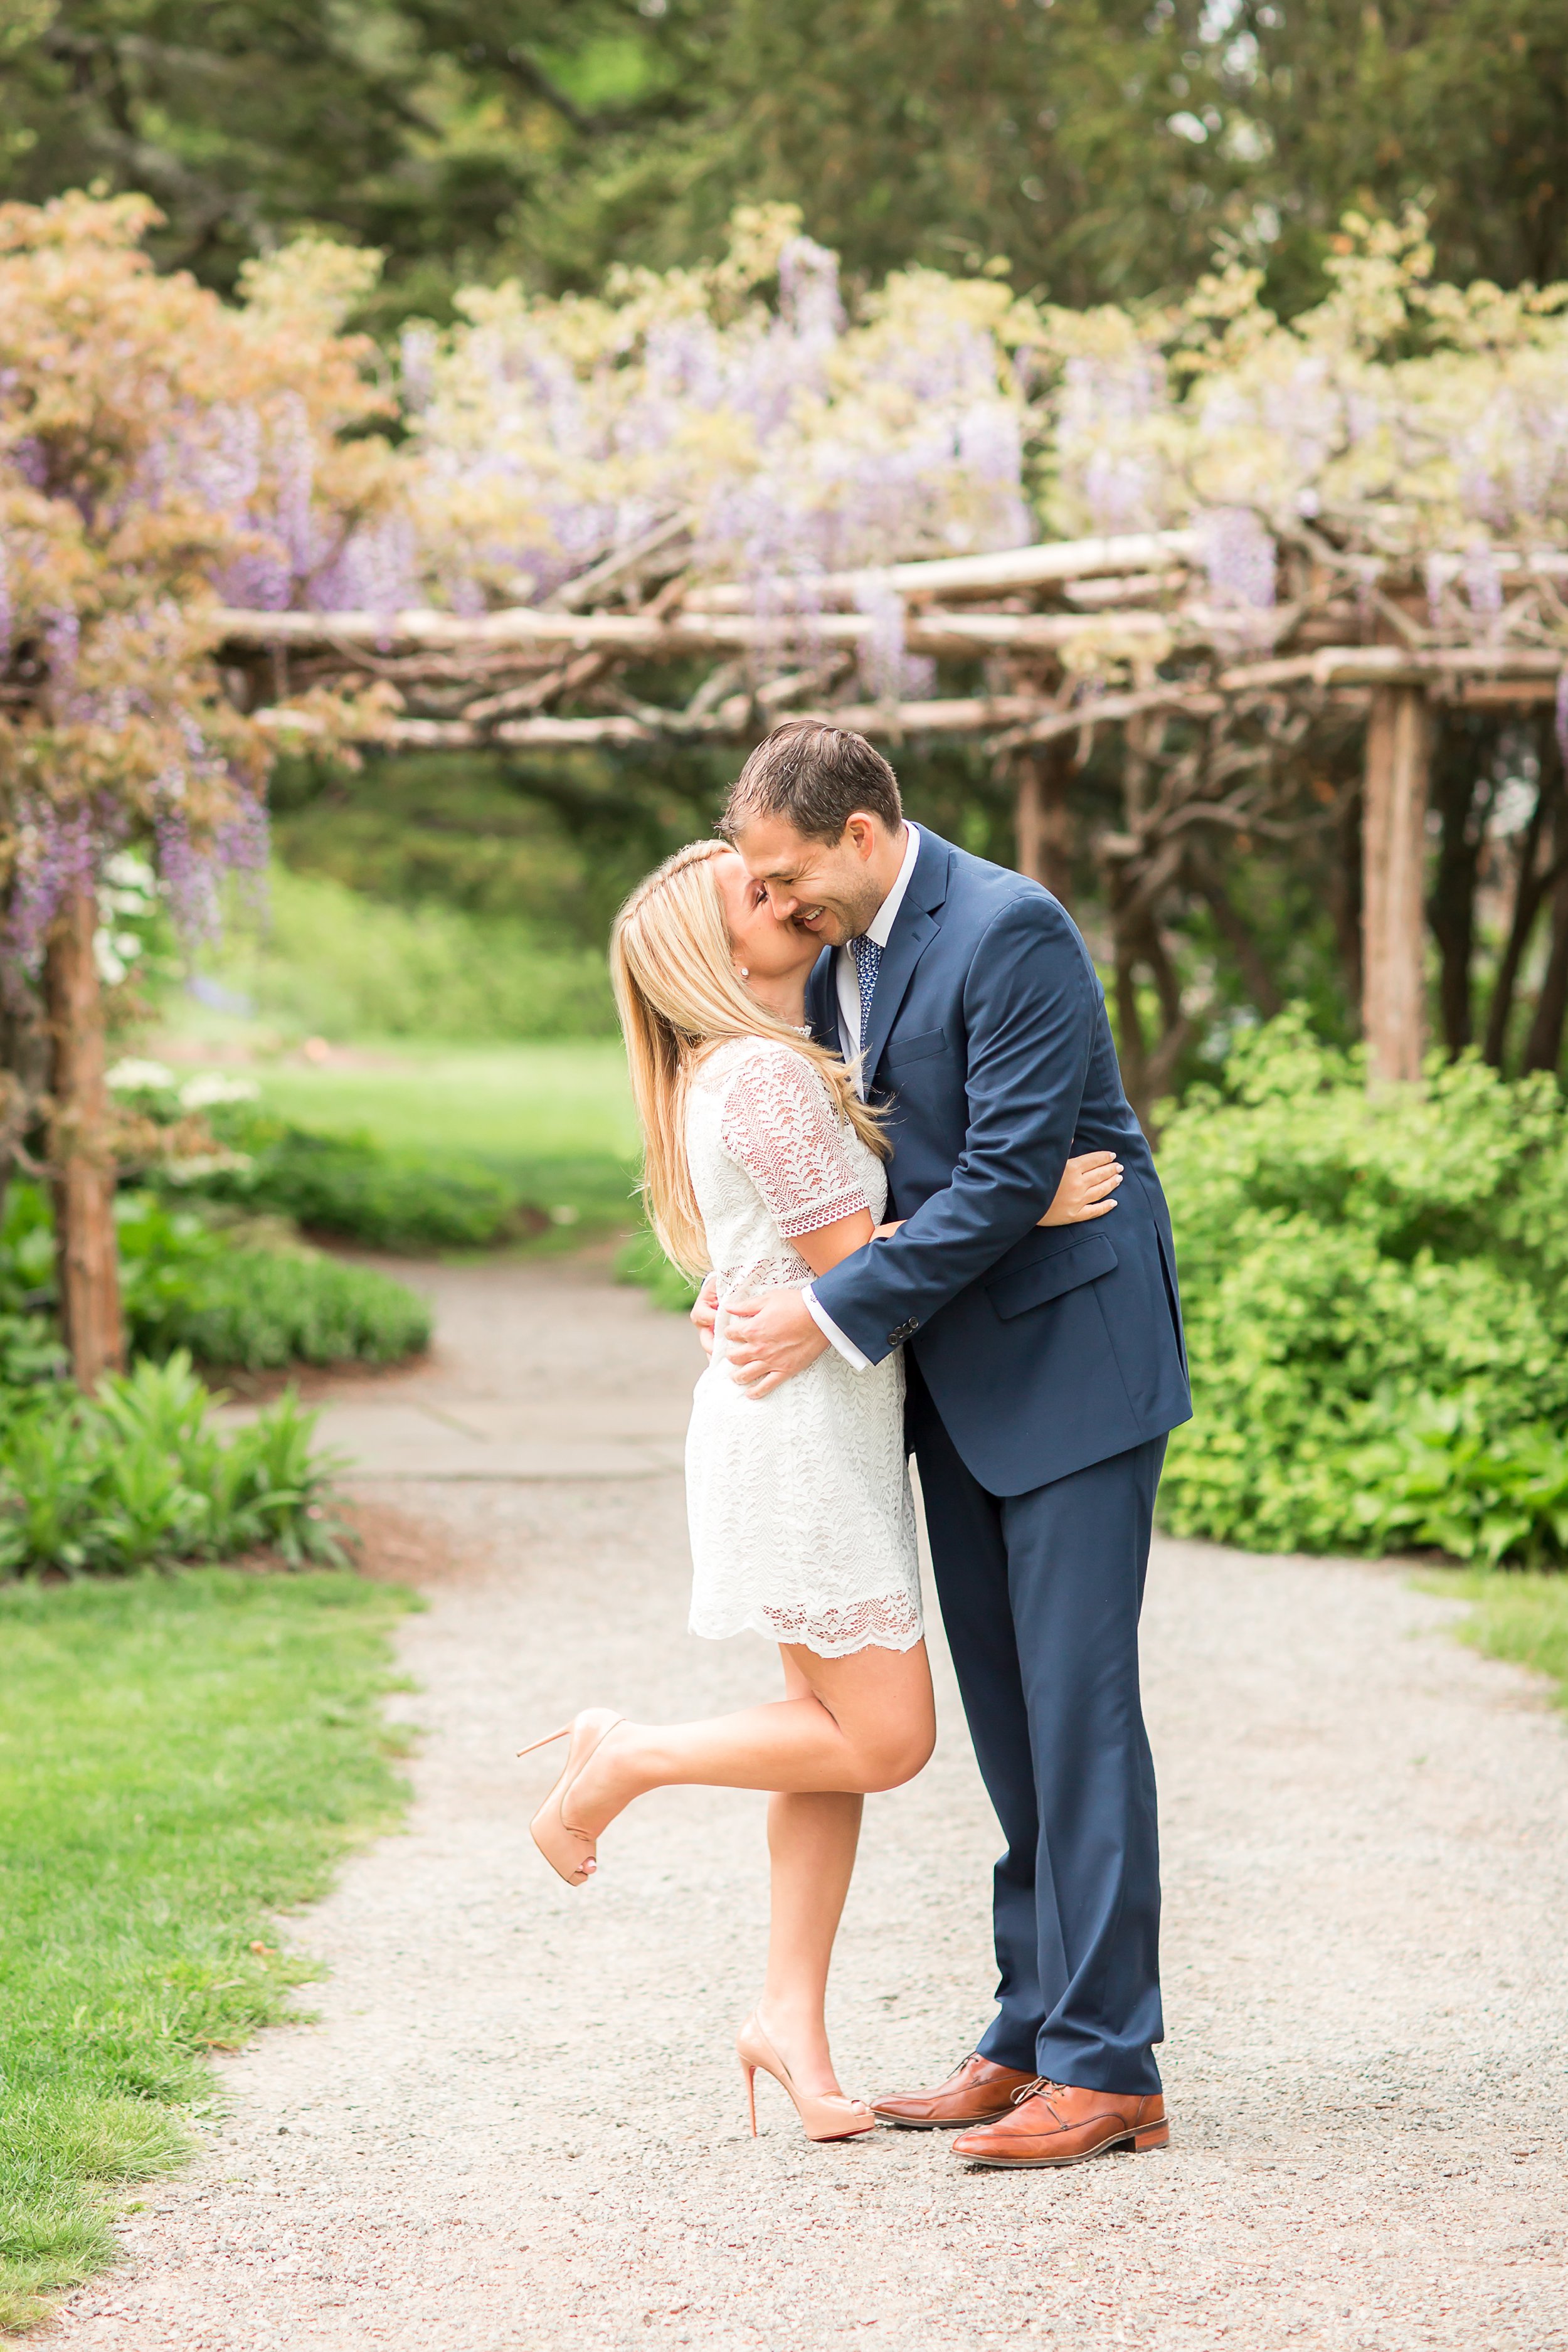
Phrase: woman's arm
(829, 1245)
(1087, 1191)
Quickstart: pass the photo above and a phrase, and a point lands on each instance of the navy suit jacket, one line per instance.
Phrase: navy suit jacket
(1044, 1348)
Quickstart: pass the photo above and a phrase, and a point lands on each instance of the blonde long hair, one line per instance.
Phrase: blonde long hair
(678, 994)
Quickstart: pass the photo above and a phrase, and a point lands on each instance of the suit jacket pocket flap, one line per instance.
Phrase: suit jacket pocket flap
(913, 1049)
(1084, 1260)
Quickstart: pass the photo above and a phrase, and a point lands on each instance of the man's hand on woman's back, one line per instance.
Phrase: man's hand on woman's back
(705, 1312)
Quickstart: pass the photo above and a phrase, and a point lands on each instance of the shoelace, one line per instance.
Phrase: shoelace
(1041, 2087)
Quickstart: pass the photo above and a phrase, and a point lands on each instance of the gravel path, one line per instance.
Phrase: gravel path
(518, 2123)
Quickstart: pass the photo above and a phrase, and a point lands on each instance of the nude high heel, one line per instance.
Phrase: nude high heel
(570, 1852)
(825, 2114)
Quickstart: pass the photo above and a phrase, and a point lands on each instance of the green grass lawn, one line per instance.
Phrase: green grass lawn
(555, 1119)
(513, 1105)
(180, 1758)
(1519, 1617)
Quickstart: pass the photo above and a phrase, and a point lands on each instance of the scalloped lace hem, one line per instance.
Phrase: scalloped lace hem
(888, 1621)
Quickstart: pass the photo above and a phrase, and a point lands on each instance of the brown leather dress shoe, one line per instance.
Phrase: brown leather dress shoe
(1057, 2124)
(976, 2094)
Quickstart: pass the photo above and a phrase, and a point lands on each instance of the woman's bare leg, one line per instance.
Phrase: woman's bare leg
(811, 1838)
(845, 1725)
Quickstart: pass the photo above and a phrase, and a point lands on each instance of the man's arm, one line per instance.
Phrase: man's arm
(1029, 1009)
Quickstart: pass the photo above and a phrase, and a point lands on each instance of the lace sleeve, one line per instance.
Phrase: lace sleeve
(780, 1124)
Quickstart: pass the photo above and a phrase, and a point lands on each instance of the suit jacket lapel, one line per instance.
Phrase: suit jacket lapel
(914, 927)
(822, 999)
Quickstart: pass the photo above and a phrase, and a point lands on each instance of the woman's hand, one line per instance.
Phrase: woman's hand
(1086, 1190)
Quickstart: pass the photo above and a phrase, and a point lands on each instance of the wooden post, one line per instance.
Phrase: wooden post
(1044, 819)
(1393, 859)
(80, 1158)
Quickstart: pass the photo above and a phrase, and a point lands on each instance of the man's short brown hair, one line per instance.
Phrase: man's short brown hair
(816, 778)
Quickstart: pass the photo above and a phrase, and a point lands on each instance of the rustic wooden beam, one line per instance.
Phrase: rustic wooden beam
(572, 594)
(734, 721)
(1042, 817)
(529, 631)
(81, 1156)
(1393, 859)
(1524, 665)
(1112, 710)
(968, 575)
(1505, 694)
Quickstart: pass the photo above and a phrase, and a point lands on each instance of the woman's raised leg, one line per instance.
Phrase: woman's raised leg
(845, 1726)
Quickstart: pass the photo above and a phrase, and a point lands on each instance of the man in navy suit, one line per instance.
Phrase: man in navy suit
(1045, 1369)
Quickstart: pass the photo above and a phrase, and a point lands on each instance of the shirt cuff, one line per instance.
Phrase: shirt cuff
(830, 1331)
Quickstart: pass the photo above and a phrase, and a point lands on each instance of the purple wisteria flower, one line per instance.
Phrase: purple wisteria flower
(1101, 404)
(1483, 582)
(1240, 560)
(56, 857)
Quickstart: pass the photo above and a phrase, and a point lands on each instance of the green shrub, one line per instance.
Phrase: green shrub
(187, 1283)
(261, 1309)
(1376, 1300)
(351, 1186)
(137, 1477)
(332, 1181)
(342, 965)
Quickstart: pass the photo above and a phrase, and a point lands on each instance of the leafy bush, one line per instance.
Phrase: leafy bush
(337, 1183)
(1376, 1298)
(350, 1184)
(261, 1309)
(342, 965)
(136, 1478)
(185, 1283)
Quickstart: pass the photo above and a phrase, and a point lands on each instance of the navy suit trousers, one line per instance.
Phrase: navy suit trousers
(1040, 1599)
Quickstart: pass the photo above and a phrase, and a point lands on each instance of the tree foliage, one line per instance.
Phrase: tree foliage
(1102, 146)
(158, 448)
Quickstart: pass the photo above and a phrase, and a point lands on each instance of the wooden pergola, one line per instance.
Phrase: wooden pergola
(1058, 641)
(1049, 644)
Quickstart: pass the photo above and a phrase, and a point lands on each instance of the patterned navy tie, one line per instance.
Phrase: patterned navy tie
(867, 963)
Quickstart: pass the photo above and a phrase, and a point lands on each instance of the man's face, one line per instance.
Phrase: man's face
(829, 889)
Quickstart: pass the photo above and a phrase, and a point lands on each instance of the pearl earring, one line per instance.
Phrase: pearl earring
(744, 970)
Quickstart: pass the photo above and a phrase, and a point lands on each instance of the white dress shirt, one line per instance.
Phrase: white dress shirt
(849, 986)
(847, 976)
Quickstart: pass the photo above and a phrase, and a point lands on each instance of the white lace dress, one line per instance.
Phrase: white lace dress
(803, 1525)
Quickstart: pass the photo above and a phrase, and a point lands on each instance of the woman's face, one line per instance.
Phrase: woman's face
(764, 948)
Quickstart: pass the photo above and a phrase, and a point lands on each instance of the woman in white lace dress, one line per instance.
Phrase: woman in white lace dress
(764, 1165)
